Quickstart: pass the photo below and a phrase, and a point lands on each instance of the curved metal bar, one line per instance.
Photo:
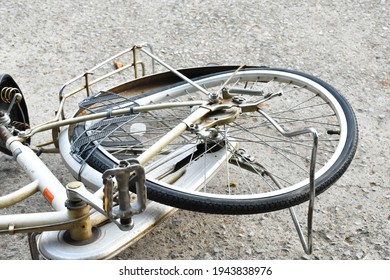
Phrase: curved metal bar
(307, 245)
(19, 195)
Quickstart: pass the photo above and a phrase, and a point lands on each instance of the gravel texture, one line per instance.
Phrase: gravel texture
(346, 43)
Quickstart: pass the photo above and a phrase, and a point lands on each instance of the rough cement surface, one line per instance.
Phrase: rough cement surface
(346, 43)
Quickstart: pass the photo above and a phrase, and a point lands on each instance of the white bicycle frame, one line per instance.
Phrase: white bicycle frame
(73, 214)
(109, 239)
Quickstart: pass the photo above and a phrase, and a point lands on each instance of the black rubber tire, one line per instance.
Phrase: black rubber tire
(194, 201)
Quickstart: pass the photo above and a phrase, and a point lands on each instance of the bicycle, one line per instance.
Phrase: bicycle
(215, 139)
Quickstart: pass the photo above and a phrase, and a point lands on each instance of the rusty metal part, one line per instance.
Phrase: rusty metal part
(7, 94)
(4, 134)
(82, 229)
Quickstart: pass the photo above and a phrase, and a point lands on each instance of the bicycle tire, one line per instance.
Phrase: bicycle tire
(244, 204)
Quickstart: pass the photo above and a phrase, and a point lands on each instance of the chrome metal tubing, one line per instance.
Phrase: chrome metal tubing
(307, 246)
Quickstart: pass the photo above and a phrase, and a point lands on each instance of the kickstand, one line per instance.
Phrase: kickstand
(307, 245)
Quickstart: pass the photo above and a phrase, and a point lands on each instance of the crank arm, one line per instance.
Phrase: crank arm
(80, 192)
(122, 213)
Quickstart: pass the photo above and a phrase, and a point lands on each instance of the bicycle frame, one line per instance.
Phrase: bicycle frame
(79, 221)
(77, 212)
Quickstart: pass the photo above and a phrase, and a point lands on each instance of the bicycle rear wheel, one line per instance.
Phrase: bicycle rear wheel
(240, 166)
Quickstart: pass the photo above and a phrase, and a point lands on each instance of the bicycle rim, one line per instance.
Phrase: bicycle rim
(239, 167)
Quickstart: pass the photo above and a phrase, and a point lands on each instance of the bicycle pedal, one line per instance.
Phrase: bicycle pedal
(117, 183)
(118, 205)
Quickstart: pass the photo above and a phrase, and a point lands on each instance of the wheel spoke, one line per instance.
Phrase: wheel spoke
(209, 155)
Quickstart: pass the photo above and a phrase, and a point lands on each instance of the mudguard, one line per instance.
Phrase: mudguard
(19, 112)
